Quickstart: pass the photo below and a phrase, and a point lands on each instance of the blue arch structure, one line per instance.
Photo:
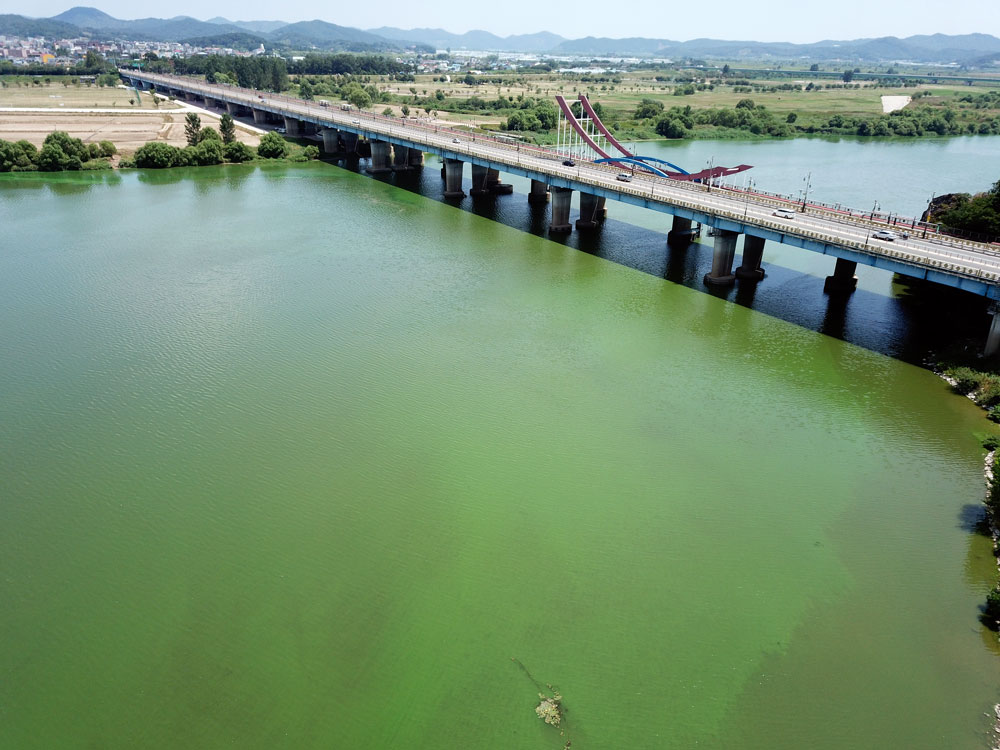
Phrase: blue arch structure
(641, 161)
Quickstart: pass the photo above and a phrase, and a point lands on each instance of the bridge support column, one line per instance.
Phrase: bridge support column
(259, 116)
(539, 194)
(453, 178)
(993, 337)
(349, 141)
(415, 157)
(400, 158)
(843, 280)
(561, 198)
(480, 175)
(589, 211)
(381, 161)
(291, 125)
(331, 140)
(722, 259)
(680, 232)
(753, 253)
(494, 184)
(602, 208)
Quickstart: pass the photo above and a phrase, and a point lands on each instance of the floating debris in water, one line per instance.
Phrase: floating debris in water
(548, 709)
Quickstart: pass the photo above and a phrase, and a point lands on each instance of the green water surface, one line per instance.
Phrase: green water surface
(290, 458)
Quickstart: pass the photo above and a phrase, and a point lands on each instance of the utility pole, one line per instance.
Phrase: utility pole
(805, 195)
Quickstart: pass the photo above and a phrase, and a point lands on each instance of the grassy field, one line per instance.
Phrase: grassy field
(620, 93)
(77, 96)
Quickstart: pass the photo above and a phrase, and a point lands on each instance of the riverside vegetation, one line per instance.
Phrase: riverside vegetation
(206, 146)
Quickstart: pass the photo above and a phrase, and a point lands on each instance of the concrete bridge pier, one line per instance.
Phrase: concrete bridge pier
(753, 253)
(400, 158)
(209, 102)
(480, 176)
(415, 157)
(259, 116)
(381, 157)
(349, 142)
(589, 212)
(453, 178)
(561, 198)
(993, 337)
(496, 187)
(539, 194)
(331, 140)
(681, 232)
(291, 125)
(722, 259)
(843, 280)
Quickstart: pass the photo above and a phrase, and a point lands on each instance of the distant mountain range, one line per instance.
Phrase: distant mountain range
(979, 49)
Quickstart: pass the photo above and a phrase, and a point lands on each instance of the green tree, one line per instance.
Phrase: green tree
(670, 127)
(792, 117)
(52, 158)
(848, 76)
(405, 110)
(27, 149)
(746, 104)
(72, 147)
(208, 134)
(227, 128)
(237, 152)
(155, 155)
(272, 146)
(192, 128)
(209, 151)
(92, 60)
(360, 99)
(648, 108)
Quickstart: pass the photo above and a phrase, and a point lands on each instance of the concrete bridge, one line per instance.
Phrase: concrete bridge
(400, 144)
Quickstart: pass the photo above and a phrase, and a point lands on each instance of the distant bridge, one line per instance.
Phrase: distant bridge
(847, 236)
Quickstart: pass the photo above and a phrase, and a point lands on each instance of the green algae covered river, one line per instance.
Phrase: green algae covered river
(294, 458)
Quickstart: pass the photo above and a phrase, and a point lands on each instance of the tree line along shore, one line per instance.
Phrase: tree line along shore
(205, 146)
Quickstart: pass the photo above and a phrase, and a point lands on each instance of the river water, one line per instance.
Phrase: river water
(291, 457)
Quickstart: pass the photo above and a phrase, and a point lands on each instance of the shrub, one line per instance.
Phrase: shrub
(311, 152)
(155, 156)
(28, 149)
(209, 152)
(69, 146)
(966, 379)
(238, 152)
(52, 158)
(272, 146)
(992, 610)
(94, 151)
(992, 442)
(208, 134)
(108, 148)
(988, 394)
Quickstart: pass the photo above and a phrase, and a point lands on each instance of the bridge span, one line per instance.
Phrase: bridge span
(400, 143)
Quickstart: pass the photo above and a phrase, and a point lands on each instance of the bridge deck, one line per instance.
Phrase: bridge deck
(972, 266)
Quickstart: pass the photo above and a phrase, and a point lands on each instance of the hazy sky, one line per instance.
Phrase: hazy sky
(719, 19)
